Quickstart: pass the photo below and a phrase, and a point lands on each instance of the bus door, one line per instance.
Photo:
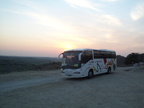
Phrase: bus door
(87, 59)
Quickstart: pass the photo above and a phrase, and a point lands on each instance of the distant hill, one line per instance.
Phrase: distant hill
(14, 63)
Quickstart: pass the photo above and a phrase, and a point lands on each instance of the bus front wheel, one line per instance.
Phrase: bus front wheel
(90, 74)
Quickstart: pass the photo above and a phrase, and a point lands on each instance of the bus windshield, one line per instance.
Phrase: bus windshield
(70, 60)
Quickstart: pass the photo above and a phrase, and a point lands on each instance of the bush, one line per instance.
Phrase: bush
(134, 58)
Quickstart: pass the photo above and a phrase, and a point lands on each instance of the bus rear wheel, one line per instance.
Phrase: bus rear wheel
(109, 70)
(90, 74)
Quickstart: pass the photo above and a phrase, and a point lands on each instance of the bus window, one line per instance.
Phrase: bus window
(102, 54)
(86, 56)
(96, 54)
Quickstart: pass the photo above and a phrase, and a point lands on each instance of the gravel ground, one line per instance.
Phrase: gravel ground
(47, 89)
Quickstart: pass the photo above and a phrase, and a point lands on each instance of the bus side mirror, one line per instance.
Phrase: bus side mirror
(59, 57)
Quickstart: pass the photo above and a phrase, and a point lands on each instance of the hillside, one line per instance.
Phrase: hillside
(13, 63)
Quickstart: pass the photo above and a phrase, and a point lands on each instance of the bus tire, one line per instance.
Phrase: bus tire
(90, 74)
(114, 67)
(109, 70)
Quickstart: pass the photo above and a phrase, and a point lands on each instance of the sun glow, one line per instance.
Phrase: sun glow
(67, 46)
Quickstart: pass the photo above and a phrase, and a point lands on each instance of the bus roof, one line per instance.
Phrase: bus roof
(85, 49)
(106, 50)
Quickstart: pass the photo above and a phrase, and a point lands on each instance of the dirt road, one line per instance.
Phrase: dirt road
(47, 89)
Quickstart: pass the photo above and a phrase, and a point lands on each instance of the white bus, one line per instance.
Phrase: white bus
(78, 63)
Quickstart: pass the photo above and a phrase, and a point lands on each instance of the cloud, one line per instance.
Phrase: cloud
(45, 20)
(51, 22)
(107, 19)
(110, 0)
(82, 3)
(110, 20)
(137, 12)
(29, 4)
(39, 15)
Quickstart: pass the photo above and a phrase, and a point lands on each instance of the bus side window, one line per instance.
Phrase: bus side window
(86, 56)
(108, 54)
(103, 54)
(96, 54)
(113, 55)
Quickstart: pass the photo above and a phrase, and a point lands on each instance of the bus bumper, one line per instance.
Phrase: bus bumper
(72, 73)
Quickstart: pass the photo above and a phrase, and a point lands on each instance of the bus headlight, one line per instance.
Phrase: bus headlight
(62, 71)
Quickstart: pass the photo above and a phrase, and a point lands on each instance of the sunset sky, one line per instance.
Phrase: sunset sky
(48, 27)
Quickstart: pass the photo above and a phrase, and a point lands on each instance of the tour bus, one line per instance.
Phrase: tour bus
(78, 63)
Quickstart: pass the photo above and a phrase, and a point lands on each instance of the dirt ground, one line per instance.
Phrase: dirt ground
(123, 88)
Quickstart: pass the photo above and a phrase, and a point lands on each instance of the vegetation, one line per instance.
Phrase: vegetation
(130, 59)
(134, 58)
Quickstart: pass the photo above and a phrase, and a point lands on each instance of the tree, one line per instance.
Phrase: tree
(142, 57)
(132, 58)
